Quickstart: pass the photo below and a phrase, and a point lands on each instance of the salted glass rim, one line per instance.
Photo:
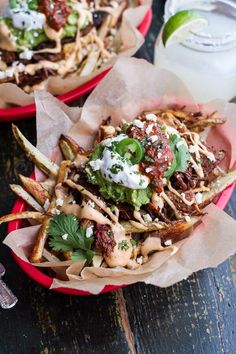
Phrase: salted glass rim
(203, 41)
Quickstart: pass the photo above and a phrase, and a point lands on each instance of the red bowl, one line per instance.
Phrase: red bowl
(41, 278)
(23, 112)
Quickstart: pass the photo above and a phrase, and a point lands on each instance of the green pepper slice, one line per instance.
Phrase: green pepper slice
(131, 149)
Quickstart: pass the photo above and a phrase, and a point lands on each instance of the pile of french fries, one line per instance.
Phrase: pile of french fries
(41, 197)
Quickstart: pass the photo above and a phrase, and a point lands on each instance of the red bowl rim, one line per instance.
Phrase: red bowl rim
(23, 112)
(46, 281)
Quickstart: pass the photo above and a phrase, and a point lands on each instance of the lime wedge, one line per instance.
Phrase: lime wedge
(179, 26)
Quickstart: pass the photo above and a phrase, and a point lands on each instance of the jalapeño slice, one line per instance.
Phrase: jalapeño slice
(131, 149)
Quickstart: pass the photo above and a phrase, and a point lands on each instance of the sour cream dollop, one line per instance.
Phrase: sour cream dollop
(115, 168)
(24, 18)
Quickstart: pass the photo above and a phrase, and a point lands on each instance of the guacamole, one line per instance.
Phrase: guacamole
(116, 191)
(25, 22)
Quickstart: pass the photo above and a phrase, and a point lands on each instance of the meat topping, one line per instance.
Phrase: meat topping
(104, 240)
(56, 12)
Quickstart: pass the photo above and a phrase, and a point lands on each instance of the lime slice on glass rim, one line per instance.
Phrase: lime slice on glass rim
(181, 25)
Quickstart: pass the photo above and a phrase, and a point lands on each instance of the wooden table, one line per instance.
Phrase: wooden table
(197, 315)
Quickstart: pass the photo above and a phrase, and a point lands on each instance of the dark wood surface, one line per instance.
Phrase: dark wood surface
(197, 315)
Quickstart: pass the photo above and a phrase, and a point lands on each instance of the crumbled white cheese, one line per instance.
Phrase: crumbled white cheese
(139, 260)
(156, 220)
(27, 54)
(55, 211)
(2, 75)
(164, 181)
(153, 138)
(179, 143)
(65, 236)
(149, 128)
(89, 231)
(59, 202)
(159, 155)
(168, 243)
(91, 204)
(138, 123)
(151, 116)
(148, 169)
(9, 72)
(192, 149)
(198, 198)
(109, 141)
(96, 164)
(187, 218)
(147, 218)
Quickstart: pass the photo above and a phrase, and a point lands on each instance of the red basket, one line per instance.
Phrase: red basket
(23, 112)
(41, 278)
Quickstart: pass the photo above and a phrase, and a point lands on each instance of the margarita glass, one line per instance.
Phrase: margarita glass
(206, 60)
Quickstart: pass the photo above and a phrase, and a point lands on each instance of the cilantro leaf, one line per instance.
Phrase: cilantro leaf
(181, 156)
(66, 234)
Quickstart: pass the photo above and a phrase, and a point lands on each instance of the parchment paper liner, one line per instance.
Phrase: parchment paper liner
(133, 86)
(130, 38)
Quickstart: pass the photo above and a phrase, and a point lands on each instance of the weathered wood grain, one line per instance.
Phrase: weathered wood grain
(195, 316)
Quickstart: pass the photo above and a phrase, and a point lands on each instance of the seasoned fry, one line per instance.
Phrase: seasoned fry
(90, 63)
(42, 235)
(35, 189)
(102, 32)
(68, 147)
(21, 193)
(40, 243)
(202, 124)
(133, 229)
(49, 256)
(41, 161)
(177, 230)
(218, 185)
(35, 215)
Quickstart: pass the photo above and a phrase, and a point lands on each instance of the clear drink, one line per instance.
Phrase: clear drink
(206, 61)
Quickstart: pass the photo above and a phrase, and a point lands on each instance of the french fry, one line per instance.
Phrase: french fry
(91, 62)
(37, 253)
(50, 256)
(177, 230)
(35, 189)
(107, 131)
(68, 148)
(40, 243)
(217, 186)
(41, 161)
(201, 124)
(103, 30)
(117, 13)
(35, 215)
(20, 192)
(133, 229)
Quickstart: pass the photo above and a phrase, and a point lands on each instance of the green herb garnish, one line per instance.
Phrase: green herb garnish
(123, 245)
(124, 128)
(133, 242)
(66, 234)
(181, 156)
(148, 159)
